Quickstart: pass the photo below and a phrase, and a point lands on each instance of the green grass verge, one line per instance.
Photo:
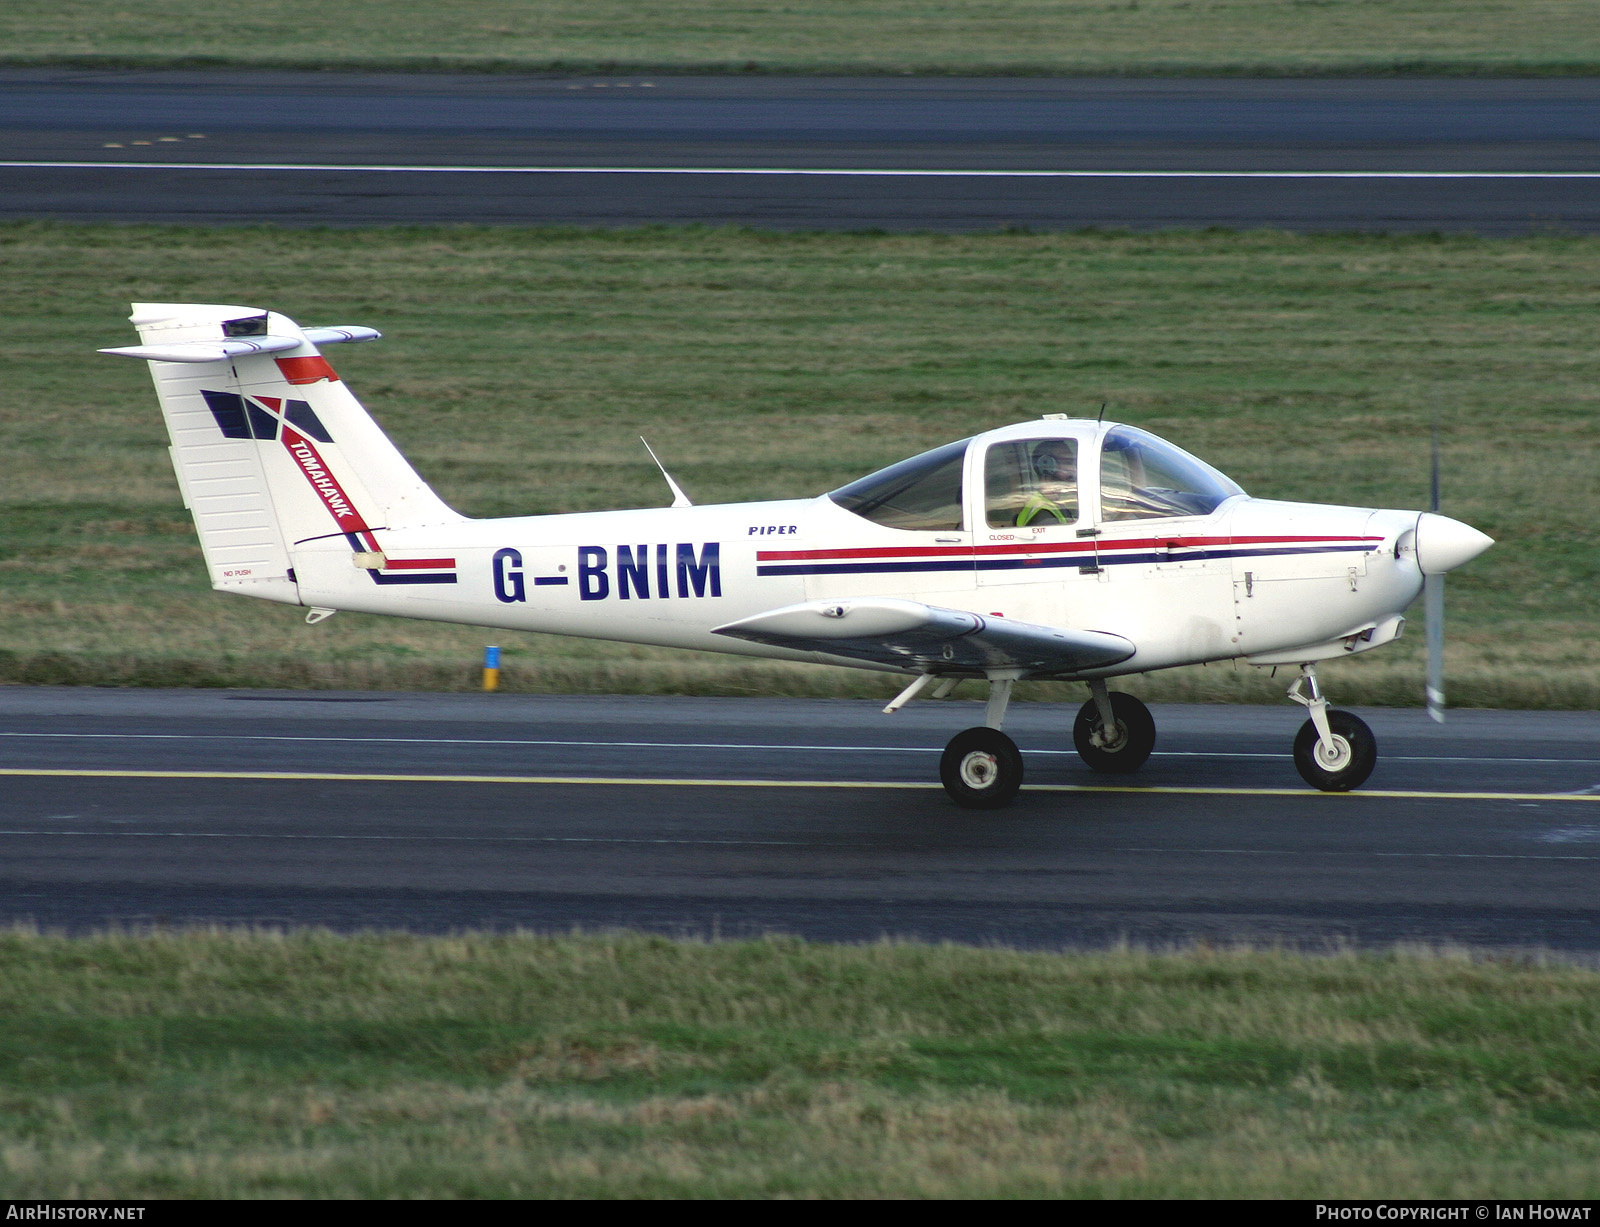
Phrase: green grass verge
(224, 1064)
(522, 364)
(972, 37)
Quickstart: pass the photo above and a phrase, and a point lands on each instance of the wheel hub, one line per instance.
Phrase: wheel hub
(979, 769)
(1113, 739)
(1335, 757)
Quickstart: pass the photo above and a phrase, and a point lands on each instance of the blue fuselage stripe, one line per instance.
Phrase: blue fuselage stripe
(379, 577)
(1084, 558)
(865, 568)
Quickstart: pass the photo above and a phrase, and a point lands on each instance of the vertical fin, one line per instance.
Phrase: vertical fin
(271, 448)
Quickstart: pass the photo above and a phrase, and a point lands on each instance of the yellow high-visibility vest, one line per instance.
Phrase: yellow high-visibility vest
(1037, 505)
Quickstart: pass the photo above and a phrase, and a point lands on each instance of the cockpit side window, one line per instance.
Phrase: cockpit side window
(1031, 482)
(921, 493)
(1142, 477)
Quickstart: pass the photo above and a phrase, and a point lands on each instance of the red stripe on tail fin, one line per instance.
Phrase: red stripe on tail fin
(306, 370)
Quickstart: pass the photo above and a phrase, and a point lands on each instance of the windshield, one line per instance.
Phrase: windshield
(1142, 476)
(922, 493)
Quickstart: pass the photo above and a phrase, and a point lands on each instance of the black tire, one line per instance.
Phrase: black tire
(1356, 753)
(1135, 735)
(981, 769)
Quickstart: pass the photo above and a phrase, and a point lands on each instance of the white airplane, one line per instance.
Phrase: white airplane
(1059, 548)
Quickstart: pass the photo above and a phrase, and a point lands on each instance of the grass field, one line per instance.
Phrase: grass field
(233, 1064)
(521, 365)
(822, 36)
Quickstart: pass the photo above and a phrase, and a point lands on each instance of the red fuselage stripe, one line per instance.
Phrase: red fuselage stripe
(417, 564)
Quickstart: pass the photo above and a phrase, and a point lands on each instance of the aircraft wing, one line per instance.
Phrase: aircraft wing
(911, 635)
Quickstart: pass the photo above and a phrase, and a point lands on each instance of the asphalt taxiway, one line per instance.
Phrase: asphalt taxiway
(1491, 156)
(822, 818)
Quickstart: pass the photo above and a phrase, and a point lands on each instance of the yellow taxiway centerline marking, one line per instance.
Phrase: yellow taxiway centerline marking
(665, 782)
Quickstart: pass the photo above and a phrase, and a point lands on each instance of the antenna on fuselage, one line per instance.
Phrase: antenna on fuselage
(1102, 416)
(679, 498)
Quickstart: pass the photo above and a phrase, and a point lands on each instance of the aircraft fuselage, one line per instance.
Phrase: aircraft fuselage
(1253, 577)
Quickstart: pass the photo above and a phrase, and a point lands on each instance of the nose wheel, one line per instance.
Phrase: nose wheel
(1342, 762)
(1334, 750)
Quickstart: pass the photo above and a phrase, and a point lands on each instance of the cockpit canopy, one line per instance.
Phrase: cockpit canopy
(1041, 479)
(923, 492)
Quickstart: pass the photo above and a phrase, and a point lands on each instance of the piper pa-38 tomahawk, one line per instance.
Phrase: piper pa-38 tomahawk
(1059, 548)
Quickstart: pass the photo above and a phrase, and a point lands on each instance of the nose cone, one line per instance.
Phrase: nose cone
(1444, 544)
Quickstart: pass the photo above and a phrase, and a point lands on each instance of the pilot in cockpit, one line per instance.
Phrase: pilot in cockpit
(1054, 486)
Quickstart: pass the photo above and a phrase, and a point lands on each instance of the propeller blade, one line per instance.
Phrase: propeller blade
(1433, 603)
(1433, 502)
(1433, 600)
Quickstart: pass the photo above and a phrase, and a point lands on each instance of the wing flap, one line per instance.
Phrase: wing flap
(911, 635)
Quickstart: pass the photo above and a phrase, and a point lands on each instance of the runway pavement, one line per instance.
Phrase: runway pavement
(823, 818)
(1496, 157)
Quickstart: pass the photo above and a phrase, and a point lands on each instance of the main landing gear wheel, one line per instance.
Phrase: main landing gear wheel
(1344, 765)
(981, 769)
(1128, 744)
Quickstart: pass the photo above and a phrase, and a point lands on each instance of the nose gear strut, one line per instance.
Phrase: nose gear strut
(1334, 750)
